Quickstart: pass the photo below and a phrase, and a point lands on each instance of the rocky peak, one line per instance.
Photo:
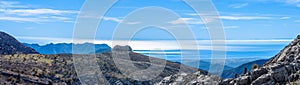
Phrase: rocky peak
(122, 48)
(9, 45)
(289, 54)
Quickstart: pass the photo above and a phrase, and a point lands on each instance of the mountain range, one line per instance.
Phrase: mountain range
(230, 73)
(66, 48)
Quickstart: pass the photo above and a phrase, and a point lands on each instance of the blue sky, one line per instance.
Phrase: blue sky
(46, 21)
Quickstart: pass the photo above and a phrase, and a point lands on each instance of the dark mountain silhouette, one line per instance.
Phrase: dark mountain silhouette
(66, 48)
(230, 73)
(9, 45)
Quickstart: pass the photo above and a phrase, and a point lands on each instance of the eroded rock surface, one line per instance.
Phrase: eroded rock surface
(284, 68)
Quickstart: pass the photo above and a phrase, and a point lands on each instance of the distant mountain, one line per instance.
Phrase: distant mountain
(9, 45)
(282, 69)
(230, 73)
(66, 48)
(203, 64)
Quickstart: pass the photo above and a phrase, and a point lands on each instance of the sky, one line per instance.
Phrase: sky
(244, 21)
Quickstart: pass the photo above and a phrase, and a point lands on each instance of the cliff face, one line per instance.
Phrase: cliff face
(9, 45)
(283, 68)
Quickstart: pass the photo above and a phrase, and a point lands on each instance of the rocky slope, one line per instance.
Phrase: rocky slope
(284, 68)
(9, 45)
(59, 69)
(190, 79)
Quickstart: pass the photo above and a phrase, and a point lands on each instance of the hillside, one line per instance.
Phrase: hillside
(230, 73)
(9, 45)
(59, 69)
(283, 68)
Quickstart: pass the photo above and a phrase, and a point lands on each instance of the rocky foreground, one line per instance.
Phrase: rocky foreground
(284, 68)
(59, 69)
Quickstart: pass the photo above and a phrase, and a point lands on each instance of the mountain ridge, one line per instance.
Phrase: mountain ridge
(230, 73)
(10, 45)
(66, 48)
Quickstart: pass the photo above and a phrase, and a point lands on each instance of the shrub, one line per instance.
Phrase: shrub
(254, 66)
(235, 75)
(245, 70)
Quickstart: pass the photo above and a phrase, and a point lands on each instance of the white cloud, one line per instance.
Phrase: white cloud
(34, 12)
(180, 20)
(112, 19)
(287, 2)
(38, 19)
(231, 16)
(119, 20)
(238, 5)
(209, 19)
(19, 19)
(132, 23)
(285, 18)
(11, 4)
(17, 12)
(107, 18)
(244, 17)
(186, 21)
(292, 2)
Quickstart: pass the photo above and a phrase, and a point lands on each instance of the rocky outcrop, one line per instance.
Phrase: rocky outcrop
(122, 48)
(197, 78)
(288, 54)
(284, 68)
(9, 45)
